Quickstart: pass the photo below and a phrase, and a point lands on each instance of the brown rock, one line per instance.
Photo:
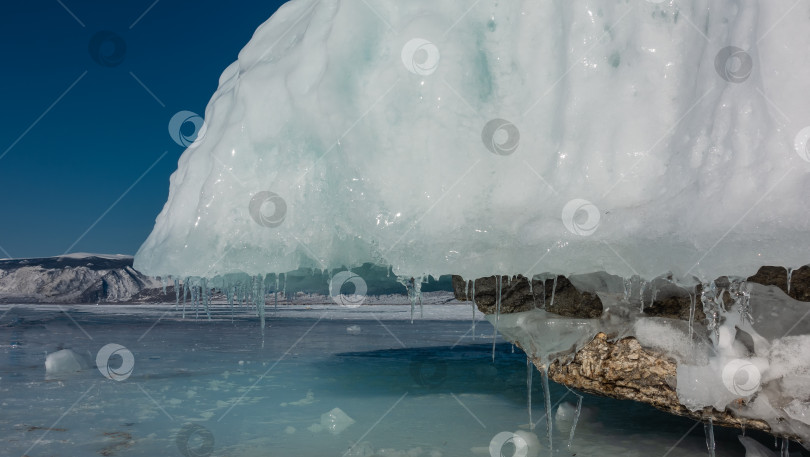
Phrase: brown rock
(778, 276)
(517, 296)
(624, 370)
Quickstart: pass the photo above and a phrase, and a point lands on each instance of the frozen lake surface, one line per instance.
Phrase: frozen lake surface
(218, 388)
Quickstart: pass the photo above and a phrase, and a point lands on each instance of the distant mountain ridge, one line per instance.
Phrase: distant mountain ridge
(77, 278)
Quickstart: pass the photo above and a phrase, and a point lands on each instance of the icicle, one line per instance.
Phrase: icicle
(547, 400)
(497, 314)
(789, 275)
(513, 348)
(742, 429)
(529, 370)
(205, 292)
(708, 428)
(259, 298)
(641, 294)
(531, 292)
(692, 300)
(544, 292)
(185, 294)
(412, 295)
(165, 282)
(284, 290)
(785, 444)
(195, 301)
(775, 442)
(576, 418)
(628, 288)
(176, 294)
(275, 294)
(473, 308)
(229, 292)
(418, 289)
(553, 291)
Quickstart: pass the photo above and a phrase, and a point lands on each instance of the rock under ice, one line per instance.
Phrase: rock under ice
(479, 138)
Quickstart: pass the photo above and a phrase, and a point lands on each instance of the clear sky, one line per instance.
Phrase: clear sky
(88, 89)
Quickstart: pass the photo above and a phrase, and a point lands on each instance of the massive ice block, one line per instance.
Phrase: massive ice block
(484, 137)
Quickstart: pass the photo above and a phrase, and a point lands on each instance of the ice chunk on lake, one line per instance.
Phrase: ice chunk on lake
(64, 362)
(336, 421)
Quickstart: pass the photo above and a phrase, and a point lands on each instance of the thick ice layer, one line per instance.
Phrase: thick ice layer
(501, 137)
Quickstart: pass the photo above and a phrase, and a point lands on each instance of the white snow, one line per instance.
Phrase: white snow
(324, 148)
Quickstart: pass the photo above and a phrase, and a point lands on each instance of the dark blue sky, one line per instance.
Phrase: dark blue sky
(76, 134)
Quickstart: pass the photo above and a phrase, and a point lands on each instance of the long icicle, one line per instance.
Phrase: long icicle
(547, 399)
(275, 295)
(497, 314)
(692, 301)
(185, 294)
(553, 291)
(176, 294)
(576, 418)
(473, 309)
(708, 428)
(529, 370)
(789, 276)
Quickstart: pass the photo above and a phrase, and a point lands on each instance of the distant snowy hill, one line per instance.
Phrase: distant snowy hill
(77, 278)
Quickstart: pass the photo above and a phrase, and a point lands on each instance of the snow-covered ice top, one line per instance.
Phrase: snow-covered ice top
(501, 137)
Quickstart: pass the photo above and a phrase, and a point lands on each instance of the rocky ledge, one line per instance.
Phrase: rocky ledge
(619, 366)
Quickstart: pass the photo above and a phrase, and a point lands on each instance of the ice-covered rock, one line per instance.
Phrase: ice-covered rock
(617, 137)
